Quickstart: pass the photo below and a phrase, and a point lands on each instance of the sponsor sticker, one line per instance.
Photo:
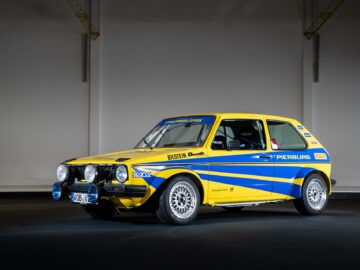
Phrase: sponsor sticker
(307, 135)
(293, 157)
(176, 156)
(320, 156)
(183, 121)
(188, 120)
(141, 174)
(300, 127)
(191, 154)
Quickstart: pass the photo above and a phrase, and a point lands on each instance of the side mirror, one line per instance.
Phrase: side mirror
(234, 145)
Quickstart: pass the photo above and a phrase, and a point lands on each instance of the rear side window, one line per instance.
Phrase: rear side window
(284, 136)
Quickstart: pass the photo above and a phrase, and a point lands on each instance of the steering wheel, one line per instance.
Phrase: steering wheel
(252, 144)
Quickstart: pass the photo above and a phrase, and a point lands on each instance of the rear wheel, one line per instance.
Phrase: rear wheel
(179, 202)
(314, 196)
(103, 210)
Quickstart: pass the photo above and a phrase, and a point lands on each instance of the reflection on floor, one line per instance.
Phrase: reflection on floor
(38, 233)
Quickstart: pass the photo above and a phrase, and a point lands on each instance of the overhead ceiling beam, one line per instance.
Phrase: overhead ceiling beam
(322, 18)
(84, 18)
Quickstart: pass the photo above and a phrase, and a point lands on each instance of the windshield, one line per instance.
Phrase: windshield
(178, 132)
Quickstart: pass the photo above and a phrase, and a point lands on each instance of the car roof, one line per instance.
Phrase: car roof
(237, 114)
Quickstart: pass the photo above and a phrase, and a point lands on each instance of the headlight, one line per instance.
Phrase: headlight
(121, 173)
(62, 173)
(90, 173)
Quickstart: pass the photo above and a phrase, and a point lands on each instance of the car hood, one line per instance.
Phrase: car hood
(139, 156)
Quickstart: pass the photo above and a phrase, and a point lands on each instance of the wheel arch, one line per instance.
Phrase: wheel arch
(324, 175)
(195, 178)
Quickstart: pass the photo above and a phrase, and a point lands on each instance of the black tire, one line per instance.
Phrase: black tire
(304, 204)
(234, 209)
(103, 210)
(167, 213)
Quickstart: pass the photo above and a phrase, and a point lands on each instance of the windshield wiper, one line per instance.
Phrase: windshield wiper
(147, 143)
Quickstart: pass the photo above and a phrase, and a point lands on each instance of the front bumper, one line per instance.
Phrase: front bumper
(109, 190)
(333, 182)
(96, 192)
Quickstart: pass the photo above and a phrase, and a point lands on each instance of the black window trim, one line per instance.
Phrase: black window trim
(301, 136)
(190, 115)
(244, 119)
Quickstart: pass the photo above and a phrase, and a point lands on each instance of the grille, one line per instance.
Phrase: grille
(105, 172)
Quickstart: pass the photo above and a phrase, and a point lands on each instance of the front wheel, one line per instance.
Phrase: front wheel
(314, 196)
(179, 203)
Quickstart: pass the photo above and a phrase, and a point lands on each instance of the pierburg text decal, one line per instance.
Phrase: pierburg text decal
(293, 157)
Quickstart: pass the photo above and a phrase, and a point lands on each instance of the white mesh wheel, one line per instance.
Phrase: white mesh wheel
(179, 202)
(182, 200)
(316, 194)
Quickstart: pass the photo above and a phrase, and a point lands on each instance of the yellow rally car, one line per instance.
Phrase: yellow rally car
(229, 160)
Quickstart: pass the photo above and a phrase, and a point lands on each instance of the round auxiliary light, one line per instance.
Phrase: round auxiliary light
(62, 173)
(90, 173)
(121, 173)
(57, 191)
(93, 194)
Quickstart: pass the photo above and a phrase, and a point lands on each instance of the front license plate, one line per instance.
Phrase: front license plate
(79, 198)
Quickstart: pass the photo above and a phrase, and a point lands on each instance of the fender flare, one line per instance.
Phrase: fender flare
(168, 174)
(315, 171)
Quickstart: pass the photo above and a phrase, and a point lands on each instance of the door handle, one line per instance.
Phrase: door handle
(266, 156)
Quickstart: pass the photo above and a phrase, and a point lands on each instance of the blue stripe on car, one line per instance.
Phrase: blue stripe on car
(244, 164)
(254, 158)
(279, 187)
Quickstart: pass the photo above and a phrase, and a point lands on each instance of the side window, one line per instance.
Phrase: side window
(284, 136)
(239, 135)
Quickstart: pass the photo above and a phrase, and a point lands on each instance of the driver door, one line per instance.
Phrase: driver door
(240, 164)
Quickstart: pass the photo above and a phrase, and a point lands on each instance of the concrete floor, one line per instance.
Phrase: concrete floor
(38, 233)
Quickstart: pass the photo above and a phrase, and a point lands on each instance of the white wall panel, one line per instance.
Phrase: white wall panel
(43, 103)
(156, 59)
(337, 95)
(153, 69)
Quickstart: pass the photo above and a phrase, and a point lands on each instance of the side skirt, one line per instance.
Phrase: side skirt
(248, 203)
